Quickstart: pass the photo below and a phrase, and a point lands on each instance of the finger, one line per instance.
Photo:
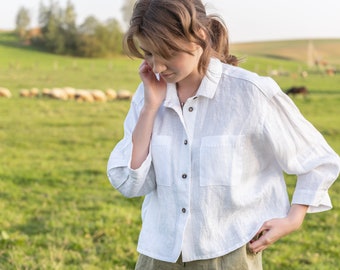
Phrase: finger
(144, 67)
(258, 235)
(257, 249)
(265, 227)
(259, 242)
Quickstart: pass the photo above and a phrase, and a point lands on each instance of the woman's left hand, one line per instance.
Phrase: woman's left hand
(274, 229)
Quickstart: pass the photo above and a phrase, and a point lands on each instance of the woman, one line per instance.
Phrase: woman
(207, 143)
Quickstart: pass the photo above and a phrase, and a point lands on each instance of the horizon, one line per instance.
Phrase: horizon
(237, 42)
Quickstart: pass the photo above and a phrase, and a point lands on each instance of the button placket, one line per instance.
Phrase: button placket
(184, 176)
(188, 114)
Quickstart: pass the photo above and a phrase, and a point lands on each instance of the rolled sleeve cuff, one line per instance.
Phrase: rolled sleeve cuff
(142, 171)
(317, 201)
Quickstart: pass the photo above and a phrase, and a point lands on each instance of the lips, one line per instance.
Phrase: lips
(165, 75)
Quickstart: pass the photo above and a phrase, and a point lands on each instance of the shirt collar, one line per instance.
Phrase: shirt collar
(211, 79)
(207, 87)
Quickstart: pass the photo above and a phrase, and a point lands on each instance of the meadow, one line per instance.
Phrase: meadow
(57, 208)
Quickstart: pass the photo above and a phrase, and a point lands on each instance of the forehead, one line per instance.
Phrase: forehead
(155, 44)
(164, 48)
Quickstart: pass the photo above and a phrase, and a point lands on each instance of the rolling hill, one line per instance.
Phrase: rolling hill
(327, 50)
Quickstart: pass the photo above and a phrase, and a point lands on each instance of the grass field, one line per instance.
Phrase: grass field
(295, 50)
(57, 208)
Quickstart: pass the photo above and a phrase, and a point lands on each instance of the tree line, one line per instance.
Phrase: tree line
(58, 32)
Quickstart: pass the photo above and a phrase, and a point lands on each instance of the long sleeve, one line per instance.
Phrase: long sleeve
(131, 183)
(219, 164)
(301, 150)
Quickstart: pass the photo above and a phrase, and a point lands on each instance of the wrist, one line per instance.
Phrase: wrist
(150, 108)
(297, 214)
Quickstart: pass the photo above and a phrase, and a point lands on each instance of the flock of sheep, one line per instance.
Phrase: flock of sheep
(70, 93)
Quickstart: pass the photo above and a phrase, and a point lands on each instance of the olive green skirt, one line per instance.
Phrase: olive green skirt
(240, 259)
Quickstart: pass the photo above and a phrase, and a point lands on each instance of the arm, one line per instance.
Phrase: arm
(130, 167)
(141, 137)
(301, 150)
(274, 229)
(154, 95)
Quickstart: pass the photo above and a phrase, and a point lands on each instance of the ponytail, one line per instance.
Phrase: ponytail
(218, 33)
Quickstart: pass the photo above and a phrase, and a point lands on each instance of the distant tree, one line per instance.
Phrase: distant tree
(97, 39)
(52, 31)
(70, 16)
(88, 44)
(53, 35)
(69, 28)
(89, 26)
(43, 18)
(127, 9)
(22, 22)
(59, 29)
(114, 36)
(60, 34)
(43, 14)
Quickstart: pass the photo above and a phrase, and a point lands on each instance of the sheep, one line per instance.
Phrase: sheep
(98, 95)
(70, 92)
(46, 92)
(111, 94)
(124, 94)
(4, 92)
(34, 92)
(58, 93)
(24, 93)
(83, 95)
(301, 90)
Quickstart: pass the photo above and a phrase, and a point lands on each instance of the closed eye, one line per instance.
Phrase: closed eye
(146, 53)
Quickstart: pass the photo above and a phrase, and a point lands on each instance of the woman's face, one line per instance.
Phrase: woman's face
(178, 67)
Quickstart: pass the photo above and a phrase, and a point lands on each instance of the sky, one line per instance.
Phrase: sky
(247, 20)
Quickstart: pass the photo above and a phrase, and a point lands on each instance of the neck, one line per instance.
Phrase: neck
(190, 83)
(187, 88)
(184, 95)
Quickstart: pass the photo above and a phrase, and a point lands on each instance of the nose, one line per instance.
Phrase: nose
(158, 65)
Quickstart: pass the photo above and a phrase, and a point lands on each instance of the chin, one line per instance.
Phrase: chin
(170, 80)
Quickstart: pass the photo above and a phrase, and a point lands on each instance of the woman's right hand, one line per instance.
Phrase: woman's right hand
(154, 89)
(154, 94)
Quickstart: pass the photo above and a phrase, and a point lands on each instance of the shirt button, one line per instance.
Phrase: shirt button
(185, 142)
(191, 109)
(184, 176)
(184, 210)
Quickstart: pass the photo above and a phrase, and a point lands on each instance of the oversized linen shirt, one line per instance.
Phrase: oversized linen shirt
(214, 173)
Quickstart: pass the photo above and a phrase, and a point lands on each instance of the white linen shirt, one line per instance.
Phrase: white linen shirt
(214, 173)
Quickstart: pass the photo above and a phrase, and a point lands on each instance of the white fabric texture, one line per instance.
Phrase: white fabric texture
(214, 172)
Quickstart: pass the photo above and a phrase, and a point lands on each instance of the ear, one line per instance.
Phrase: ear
(202, 34)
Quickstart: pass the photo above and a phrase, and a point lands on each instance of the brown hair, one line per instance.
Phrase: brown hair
(168, 26)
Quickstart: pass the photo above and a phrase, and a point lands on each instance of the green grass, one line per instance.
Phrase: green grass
(23, 67)
(57, 208)
(296, 50)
